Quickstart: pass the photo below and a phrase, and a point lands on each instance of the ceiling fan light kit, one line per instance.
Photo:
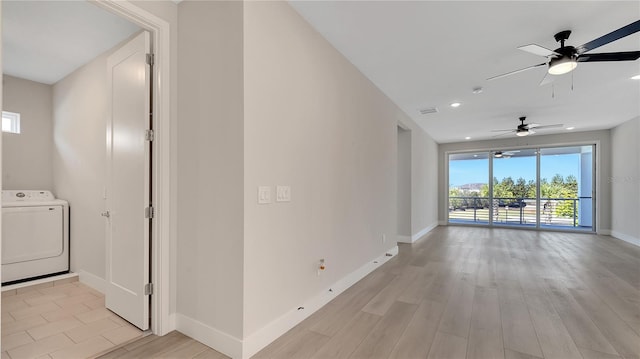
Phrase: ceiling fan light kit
(562, 65)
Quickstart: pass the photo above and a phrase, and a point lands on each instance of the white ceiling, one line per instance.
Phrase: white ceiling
(44, 41)
(432, 53)
(420, 53)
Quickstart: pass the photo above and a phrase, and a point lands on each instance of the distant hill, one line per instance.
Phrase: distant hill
(472, 186)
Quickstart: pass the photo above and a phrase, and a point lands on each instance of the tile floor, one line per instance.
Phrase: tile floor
(174, 345)
(60, 319)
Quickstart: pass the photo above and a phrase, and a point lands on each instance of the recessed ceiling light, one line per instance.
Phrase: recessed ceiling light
(636, 77)
(455, 104)
(467, 138)
(570, 128)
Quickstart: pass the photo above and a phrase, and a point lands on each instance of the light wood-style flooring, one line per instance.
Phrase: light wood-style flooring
(464, 292)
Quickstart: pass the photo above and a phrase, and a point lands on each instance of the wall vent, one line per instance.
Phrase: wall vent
(428, 110)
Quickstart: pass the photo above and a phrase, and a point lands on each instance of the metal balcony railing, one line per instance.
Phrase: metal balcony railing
(516, 211)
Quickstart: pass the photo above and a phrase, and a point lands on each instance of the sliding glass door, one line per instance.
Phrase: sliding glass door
(566, 187)
(514, 187)
(549, 188)
(469, 188)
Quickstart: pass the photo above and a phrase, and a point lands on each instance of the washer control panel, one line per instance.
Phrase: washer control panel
(26, 196)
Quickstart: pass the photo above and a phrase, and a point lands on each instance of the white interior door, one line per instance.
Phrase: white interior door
(128, 182)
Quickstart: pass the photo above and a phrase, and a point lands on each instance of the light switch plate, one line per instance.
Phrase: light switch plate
(283, 194)
(264, 194)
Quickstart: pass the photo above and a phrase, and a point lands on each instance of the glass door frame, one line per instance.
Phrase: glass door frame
(594, 187)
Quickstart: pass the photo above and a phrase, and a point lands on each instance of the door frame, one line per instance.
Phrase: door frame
(163, 225)
(596, 177)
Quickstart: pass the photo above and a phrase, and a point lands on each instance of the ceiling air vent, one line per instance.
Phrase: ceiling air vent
(428, 110)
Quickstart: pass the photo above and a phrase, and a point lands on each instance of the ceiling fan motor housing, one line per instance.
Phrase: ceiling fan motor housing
(566, 51)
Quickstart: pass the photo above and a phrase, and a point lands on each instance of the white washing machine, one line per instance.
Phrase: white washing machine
(35, 235)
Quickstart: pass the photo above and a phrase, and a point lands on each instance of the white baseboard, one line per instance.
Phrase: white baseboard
(238, 348)
(263, 337)
(220, 341)
(424, 231)
(38, 281)
(404, 239)
(171, 324)
(625, 237)
(93, 281)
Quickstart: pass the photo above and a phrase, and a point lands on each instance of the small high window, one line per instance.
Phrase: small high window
(10, 122)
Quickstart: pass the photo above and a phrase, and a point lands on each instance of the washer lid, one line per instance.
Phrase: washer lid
(26, 196)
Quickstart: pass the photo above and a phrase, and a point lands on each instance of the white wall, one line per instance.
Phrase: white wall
(315, 123)
(424, 181)
(210, 167)
(79, 162)
(603, 167)
(1, 145)
(266, 101)
(27, 156)
(404, 185)
(625, 181)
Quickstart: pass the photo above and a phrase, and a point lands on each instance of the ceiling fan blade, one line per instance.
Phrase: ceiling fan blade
(548, 126)
(546, 79)
(610, 37)
(516, 71)
(538, 50)
(533, 125)
(504, 133)
(610, 56)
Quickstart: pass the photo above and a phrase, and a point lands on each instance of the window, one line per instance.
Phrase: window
(550, 188)
(10, 122)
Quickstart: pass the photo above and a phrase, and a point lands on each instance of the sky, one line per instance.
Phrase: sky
(477, 171)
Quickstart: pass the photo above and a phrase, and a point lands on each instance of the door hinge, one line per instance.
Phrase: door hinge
(150, 59)
(149, 212)
(148, 289)
(149, 135)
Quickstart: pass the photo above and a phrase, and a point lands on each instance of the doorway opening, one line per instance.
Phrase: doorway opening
(158, 293)
(404, 185)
